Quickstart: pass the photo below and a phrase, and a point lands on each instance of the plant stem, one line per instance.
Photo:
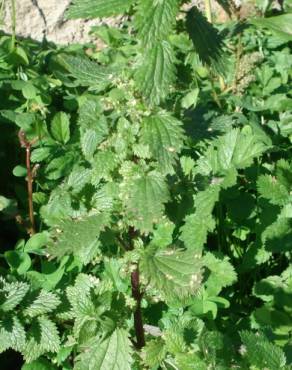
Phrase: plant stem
(137, 295)
(13, 22)
(27, 145)
(29, 189)
(208, 9)
(138, 320)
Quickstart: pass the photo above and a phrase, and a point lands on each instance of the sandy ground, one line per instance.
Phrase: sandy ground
(45, 18)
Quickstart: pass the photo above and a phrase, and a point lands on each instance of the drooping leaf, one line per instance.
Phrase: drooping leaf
(154, 20)
(207, 41)
(156, 72)
(97, 8)
(164, 136)
(112, 353)
(174, 273)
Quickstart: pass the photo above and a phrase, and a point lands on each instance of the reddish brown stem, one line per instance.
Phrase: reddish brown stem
(27, 145)
(29, 190)
(138, 320)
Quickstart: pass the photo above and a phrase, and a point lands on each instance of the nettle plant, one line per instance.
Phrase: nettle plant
(147, 221)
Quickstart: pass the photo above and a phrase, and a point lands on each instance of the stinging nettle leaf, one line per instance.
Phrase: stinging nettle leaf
(79, 237)
(11, 294)
(156, 72)
(165, 137)
(144, 199)
(207, 41)
(154, 20)
(174, 273)
(97, 8)
(45, 302)
(113, 353)
(87, 72)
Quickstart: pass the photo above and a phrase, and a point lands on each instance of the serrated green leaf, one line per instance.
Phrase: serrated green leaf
(43, 337)
(45, 302)
(270, 188)
(79, 237)
(236, 149)
(87, 72)
(97, 8)
(207, 41)
(197, 225)
(154, 352)
(154, 20)
(60, 127)
(174, 273)
(113, 353)
(222, 273)
(144, 198)
(261, 353)
(12, 334)
(11, 295)
(164, 136)
(156, 72)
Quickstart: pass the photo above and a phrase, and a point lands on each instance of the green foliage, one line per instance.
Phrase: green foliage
(147, 192)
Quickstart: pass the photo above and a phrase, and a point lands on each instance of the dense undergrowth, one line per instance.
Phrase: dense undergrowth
(145, 189)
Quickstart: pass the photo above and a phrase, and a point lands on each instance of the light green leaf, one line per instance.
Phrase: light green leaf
(281, 24)
(12, 334)
(113, 353)
(154, 20)
(87, 72)
(164, 136)
(262, 353)
(79, 237)
(222, 273)
(144, 198)
(45, 302)
(236, 149)
(190, 100)
(60, 127)
(11, 294)
(270, 188)
(174, 273)
(43, 337)
(156, 72)
(97, 8)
